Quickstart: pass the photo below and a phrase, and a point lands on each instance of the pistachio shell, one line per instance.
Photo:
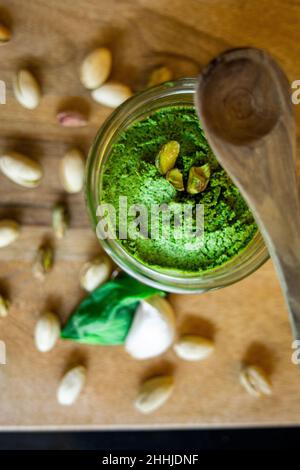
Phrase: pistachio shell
(255, 380)
(4, 306)
(60, 220)
(95, 68)
(160, 75)
(20, 169)
(47, 332)
(193, 348)
(112, 94)
(154, 393)
(71, 386)
(72, 167)
(27, 90)
(9, 232)
(95, 272)
(43, 262)
(5, 34)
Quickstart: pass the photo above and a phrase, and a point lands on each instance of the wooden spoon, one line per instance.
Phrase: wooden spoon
(244, 105)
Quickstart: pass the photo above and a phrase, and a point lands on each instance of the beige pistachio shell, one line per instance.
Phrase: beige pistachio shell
(71, 386)
(193, 347)
(27, 90)
(95, 272)
(153, 394)
(21, 169)
(96, 68)
(72, 167)
(112, 94)
(47, 332)
(9, 232)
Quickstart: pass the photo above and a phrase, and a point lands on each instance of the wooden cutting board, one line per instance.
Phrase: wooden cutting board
(248, 320)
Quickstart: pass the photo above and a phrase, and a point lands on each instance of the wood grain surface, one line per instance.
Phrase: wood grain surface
(248, 320)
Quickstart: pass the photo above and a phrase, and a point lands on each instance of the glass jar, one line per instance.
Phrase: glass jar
(139, 107)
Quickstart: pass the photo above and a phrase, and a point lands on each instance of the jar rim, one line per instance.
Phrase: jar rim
(241, 265)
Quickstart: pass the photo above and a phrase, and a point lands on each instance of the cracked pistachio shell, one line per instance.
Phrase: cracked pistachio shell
(255, 380)
(160, 75)
(153, 394)
(4, 306)
(27, 90)
(72, 168)
(71, 386)
(9, 232)
(95, 272)
(47, 331)
(96, 68)
(193, 347)
(5, 34)
(112, 94)
(21, 169)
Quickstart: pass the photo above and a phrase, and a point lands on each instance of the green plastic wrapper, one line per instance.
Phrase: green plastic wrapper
(105, 316)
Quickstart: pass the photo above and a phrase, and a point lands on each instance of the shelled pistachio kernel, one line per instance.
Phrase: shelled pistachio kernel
(193, 347)
(71, 118)
(21, 169)
(167, 156)
(9, 232)
(47, 331)
(160, 75)
(95, 68)
(198, 179)
(71, 386)
(154, 393)
(43, 262)
(60, 220)
(27, 89)
(4, 306)
(175, 177)
(95, 272)
(5, 34)
(255, 380)
(72, 171)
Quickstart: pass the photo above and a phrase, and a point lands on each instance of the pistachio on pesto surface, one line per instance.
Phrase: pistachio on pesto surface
(131, 171)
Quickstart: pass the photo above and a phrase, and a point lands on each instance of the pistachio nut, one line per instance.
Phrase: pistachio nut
(9, 232)
(193, 347)
(71, 386)
(4, 306)
(198, 179)
(96, 68)
(72, 168)
(255, 380)
(112, 94)
(47, 331)
(21, 169)
(95, 272)
(43, 262)
(160, 75)
(27, 90)
(60, 220)
(154, 393)
(175, 177)
(167, 156)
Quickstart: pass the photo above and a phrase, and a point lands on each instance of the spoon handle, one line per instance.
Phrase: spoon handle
(244, 104)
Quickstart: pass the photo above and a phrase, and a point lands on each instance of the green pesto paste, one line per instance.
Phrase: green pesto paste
(130, 171)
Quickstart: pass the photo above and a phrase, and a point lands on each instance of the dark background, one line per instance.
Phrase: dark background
(233, 439)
